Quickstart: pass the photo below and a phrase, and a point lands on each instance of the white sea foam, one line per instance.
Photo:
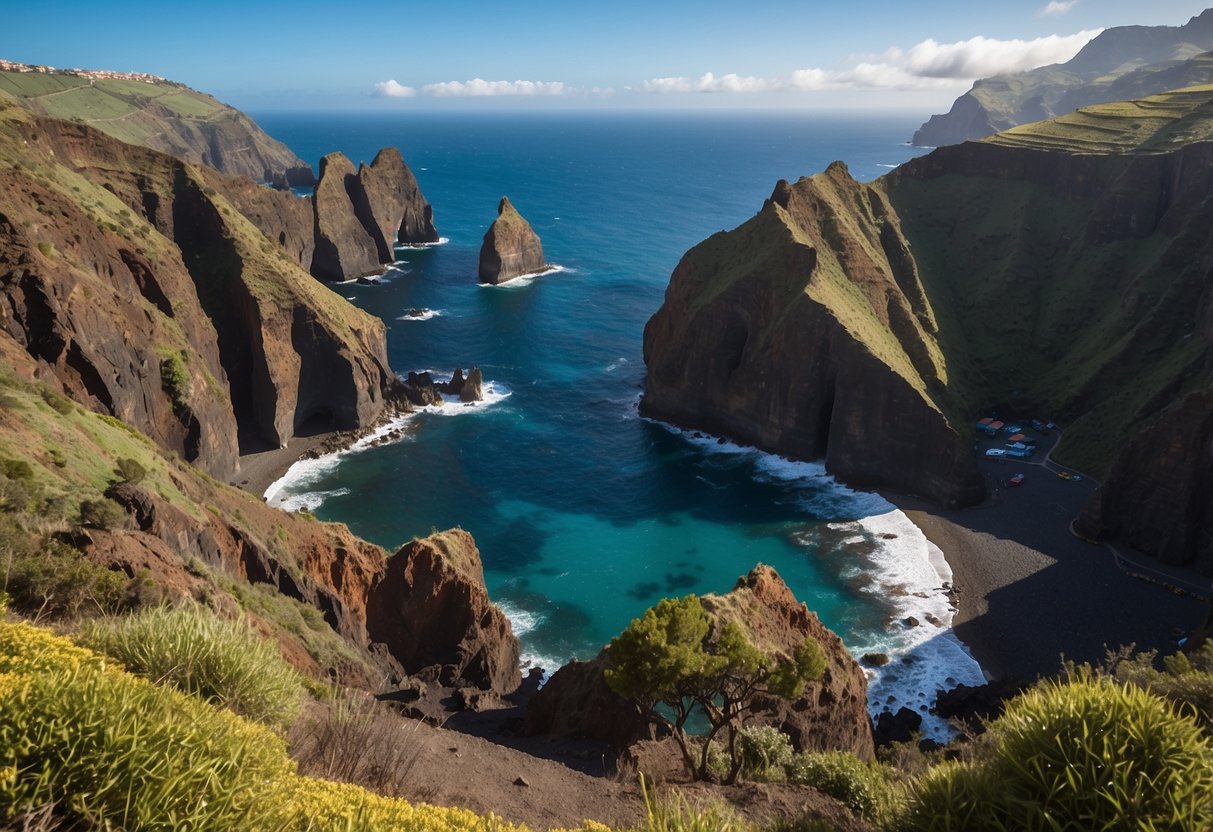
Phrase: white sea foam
(897, 566)
(291, 492)
(886, 166)
(425, 315)
(526, 279)
(523, 622)
(442, 241)
(616, 364)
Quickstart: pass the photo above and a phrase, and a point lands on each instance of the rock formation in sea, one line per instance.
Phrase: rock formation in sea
(511, 247)
(345, 248)
(1060, 270)
(357, 215)
(1120, 63)
(830, 714)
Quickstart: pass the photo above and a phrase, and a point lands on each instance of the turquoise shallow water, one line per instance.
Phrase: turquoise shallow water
(586, 514)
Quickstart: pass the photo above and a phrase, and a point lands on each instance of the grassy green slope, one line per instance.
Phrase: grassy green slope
(163, 115)
(1038, 307)
(1157, 124)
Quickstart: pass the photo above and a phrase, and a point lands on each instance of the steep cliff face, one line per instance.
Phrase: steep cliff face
(162, 115)
(511, 248)
(345, 248)
(830, 714)
(1121, 62)
(806, 332)
(142, 290)
(397, 208)
(432, 611)
(1061, 268)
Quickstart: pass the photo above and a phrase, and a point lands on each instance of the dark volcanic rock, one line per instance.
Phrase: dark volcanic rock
(396, 204)
(831, 713)
(898, 727)
(760, 339)
(345, 248)
(1159, 496)
(473, 387)
(576, 703)
(432, 612)
(511, 247)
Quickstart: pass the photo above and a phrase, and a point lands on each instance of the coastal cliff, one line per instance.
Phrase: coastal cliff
(1061, 269)
(511, 248)
(142, 291)
(159, 114)
(1120, 63)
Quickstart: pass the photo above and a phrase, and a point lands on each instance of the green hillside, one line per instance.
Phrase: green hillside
(160, 114)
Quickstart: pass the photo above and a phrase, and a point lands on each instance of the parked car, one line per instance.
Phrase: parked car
(1065, 475)
(1015, 481)
(995, 453)
(1016, 446)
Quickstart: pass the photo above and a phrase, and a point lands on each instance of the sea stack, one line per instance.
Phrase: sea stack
(511, 247)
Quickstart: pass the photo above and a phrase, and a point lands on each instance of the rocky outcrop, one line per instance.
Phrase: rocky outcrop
(345, 248)
(433, 614)
(511, 247)
(1120, 63)
(576, 703)
(422, 390)
(360, 217)
(143, 291)
(760, 339)
(1063, 269)
(423, 611)
(830, 714)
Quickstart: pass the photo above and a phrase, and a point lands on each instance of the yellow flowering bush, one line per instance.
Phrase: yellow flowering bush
(112, 750)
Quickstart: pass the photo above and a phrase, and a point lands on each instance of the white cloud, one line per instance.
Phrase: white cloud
(927, 65)
(1059, 6)
(481, 87)
(390, 89)
(710, 83)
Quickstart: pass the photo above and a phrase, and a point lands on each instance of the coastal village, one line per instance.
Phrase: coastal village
(90, 74)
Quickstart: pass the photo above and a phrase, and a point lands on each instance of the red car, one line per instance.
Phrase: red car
(1015, 481)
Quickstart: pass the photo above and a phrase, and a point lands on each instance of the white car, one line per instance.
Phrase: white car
(996, 452)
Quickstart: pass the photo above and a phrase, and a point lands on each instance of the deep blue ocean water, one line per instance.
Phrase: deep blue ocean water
(586, 514)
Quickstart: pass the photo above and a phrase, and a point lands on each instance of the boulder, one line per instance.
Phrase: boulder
(576, 703)
(511, 247)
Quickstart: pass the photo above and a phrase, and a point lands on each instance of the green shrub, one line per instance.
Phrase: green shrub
(111, 751)
(130, 471)
(675, 812)
(860, 786)
(54, 579)
(765, 752)
(1090, 753)
(60, 403)
(16, 469)
(102, 514)
(114, 752)
(221, 661)
(175, 379)
(1186, 678)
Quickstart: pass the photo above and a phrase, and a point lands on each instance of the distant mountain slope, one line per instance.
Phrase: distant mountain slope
(157, 113)
(1061, 268)
(1123, 62)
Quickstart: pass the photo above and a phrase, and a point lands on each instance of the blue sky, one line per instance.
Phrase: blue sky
(868, 53)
